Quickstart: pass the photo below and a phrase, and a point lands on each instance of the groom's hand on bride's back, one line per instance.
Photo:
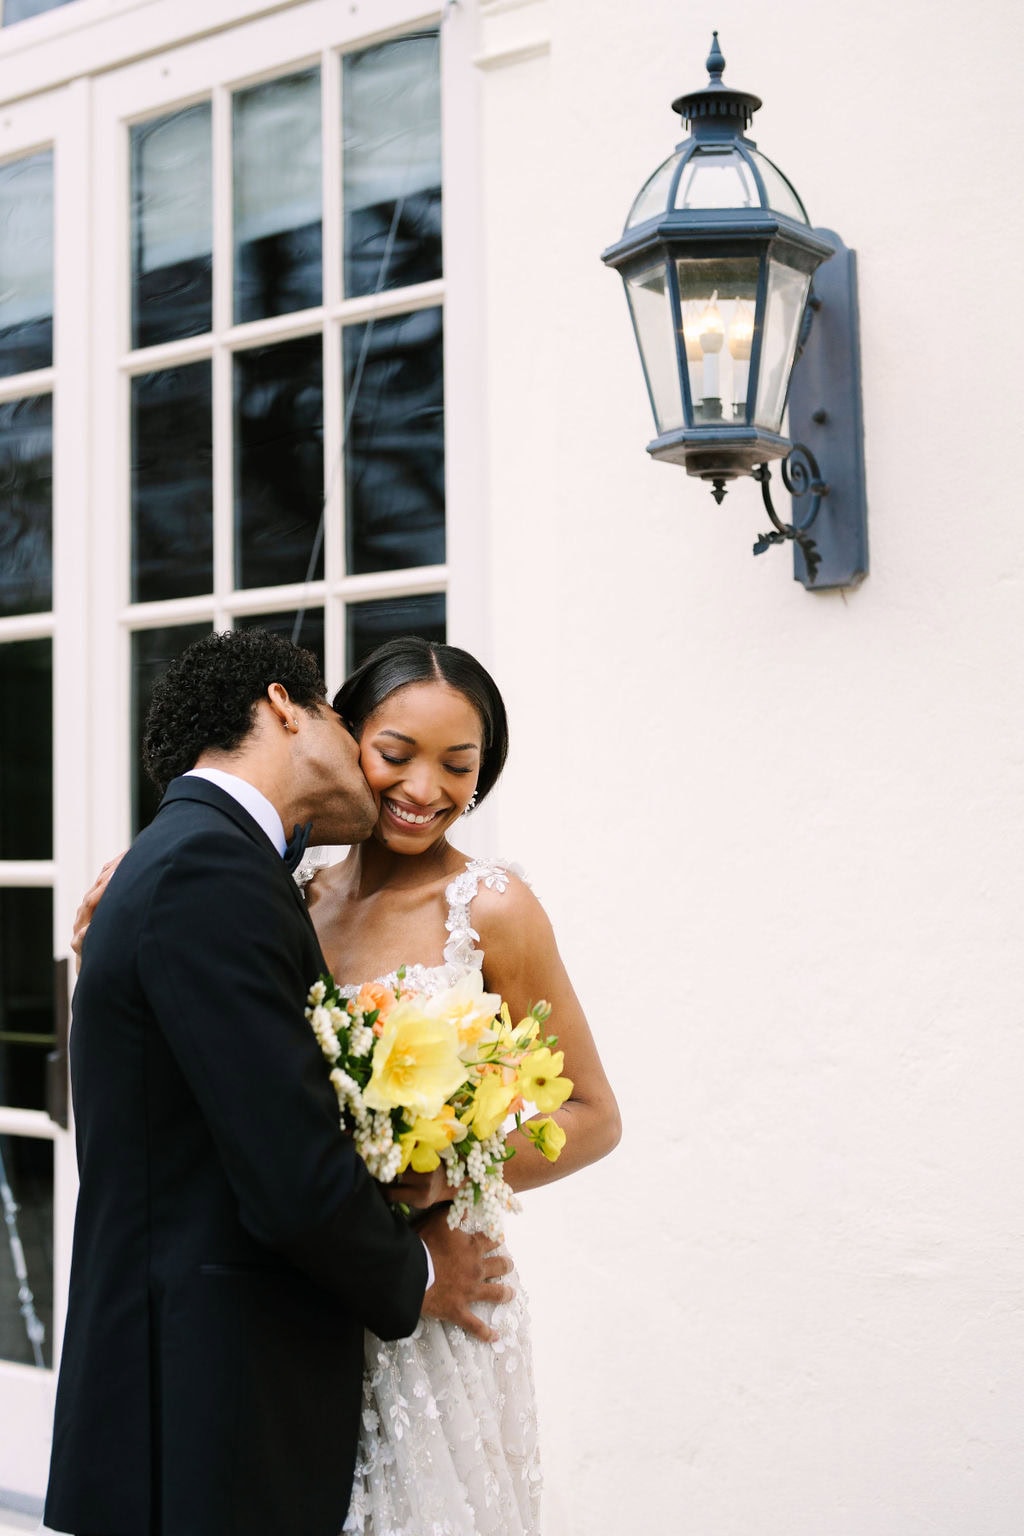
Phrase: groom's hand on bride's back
(467, 1269)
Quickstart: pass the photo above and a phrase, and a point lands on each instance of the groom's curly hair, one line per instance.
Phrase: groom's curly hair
(207, 698)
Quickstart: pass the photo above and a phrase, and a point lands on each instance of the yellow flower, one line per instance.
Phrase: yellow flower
(416, 1063)
(539, 1081)
(547, 1136)
(467, 1006)
(490, 1105)
(427, 1138)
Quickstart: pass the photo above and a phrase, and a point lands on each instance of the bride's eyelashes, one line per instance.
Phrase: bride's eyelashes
(399, 762)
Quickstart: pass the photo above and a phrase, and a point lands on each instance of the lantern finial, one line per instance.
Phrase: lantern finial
(716, 111)
(715, 61)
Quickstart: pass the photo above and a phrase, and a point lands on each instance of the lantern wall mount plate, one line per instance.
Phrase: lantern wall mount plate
(740, 307)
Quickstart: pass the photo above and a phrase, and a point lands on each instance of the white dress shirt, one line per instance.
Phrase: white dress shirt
(249, 798)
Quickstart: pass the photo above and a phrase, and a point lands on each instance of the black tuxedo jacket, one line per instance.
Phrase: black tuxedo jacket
(229, 1243)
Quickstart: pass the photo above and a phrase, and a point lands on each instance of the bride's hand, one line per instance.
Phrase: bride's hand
(420, 1190)
(90, 901)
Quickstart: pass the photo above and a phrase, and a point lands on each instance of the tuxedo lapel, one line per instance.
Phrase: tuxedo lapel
(190, 787)
(193, 788)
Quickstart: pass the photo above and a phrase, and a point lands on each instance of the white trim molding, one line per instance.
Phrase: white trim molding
(513, 32)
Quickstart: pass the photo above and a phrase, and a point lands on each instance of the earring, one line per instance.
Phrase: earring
(472, 804)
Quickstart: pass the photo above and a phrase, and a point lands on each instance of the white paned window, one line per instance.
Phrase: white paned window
(284, 370)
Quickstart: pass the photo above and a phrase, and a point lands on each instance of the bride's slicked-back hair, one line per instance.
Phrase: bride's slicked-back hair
(411, 659)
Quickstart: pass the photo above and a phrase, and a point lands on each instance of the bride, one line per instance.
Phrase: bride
(448, 1441)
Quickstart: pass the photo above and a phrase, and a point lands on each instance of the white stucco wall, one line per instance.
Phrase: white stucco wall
(780, 834)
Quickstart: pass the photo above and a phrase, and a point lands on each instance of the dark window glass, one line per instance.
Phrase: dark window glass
(310, 628)
(277, 197)
(391, 193)
(26, 750)
(394, 460)
(370, 624)
(26, 505)
(172, 227)
(26, 263)
(21, 10)
(26, 995)
(153, 650)
(172, 483)
(26, 1251)
(279, 468)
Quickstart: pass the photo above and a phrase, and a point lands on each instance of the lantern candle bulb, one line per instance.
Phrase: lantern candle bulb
(712, 337)
(741, 333)
(741, 337)
(691, 335)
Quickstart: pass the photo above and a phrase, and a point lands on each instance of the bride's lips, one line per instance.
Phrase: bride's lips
(410, 816)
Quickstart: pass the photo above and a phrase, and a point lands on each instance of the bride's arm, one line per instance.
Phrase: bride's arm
(522, 963)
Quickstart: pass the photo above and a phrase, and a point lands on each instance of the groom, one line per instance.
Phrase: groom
(230, 1246)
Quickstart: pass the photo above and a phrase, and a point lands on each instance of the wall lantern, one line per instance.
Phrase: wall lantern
(739, 307)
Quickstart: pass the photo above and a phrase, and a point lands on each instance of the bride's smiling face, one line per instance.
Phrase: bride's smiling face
(420, 752)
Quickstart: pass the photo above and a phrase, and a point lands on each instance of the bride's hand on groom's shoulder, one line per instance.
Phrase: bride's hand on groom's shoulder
(87, 909)
(467, 1269)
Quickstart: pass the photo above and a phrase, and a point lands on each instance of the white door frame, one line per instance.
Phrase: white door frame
(61, 120)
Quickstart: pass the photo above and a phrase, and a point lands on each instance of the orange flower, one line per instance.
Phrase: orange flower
(372, 995)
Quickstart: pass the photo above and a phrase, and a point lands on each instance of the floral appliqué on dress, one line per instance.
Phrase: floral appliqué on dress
(448, 1445)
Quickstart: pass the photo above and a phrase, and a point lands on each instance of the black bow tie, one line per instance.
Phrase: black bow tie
(296, 847)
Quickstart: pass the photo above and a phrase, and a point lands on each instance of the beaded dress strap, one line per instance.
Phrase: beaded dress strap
(461, 948)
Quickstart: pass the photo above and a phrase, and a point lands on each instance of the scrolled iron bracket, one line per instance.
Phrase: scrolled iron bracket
(801, 477)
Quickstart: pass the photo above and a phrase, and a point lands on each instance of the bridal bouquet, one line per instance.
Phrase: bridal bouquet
(423, 1080)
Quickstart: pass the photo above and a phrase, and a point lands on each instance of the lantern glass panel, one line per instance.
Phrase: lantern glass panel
(782, 195)
(650, 306)
(787, 294)
(718, 299)
(717, 178)
(653, 196)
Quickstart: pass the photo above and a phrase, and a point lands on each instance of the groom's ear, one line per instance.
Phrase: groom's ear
(285, 712)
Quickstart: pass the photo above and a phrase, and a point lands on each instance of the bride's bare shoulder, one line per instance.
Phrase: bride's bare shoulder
(505, 903)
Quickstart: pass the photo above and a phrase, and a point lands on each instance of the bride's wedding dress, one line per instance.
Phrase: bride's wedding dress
(448, 1444)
